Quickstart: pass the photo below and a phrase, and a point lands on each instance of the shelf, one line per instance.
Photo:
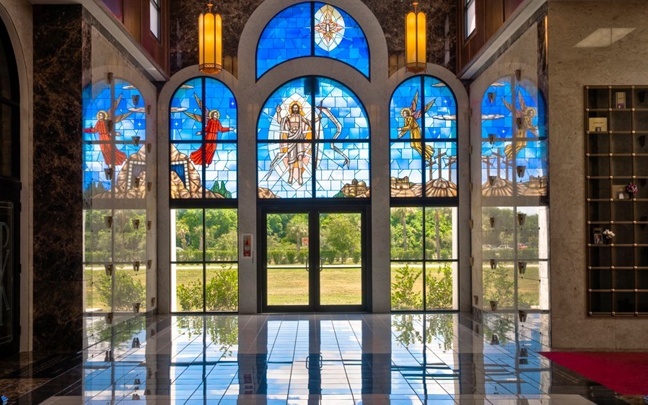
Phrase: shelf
(616, 136)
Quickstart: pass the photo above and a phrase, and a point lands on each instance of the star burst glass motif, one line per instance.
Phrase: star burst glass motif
(329, 27)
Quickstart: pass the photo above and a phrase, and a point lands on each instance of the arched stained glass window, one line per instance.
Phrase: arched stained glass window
(203, 140)
(313, 142)
(514, 220)
(114, 138)
(312, 29)
(423, 134)
(514, 148)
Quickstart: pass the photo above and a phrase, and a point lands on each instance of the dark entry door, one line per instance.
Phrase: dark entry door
(313, 260)
(9, 269)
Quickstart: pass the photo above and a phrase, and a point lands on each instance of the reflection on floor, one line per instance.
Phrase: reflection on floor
(307, 358)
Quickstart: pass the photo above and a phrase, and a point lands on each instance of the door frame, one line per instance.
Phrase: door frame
(11, 193)
(314, 210)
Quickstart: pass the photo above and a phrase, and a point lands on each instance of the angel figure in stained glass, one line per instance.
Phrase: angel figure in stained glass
(205, 154)
(411, 115)
(103, 127)
(524, 123)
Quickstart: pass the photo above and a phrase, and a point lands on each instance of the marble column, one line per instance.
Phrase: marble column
(59, 44)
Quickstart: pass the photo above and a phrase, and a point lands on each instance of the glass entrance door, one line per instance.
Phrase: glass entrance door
(313, 260)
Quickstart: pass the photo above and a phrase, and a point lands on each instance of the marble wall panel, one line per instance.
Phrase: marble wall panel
(570, 69)
(58, 55)
(441, 19)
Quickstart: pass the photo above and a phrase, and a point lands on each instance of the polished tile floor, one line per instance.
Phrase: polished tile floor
(305, 359)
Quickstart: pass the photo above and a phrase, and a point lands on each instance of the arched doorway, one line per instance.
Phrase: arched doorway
(9, 198)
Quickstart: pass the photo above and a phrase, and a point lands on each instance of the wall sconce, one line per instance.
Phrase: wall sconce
(415, 40)
(149, 224)
(521, 217)
(520, 170)
(149, 263)
(108, 220)
(491, 97)
(108, 171)
(136, 265)
(149, 146)
(136, 223)
(493, 264)
(136, 140)
(522, 315)
(136, 307)
(491, 180)
(494, 340)
(108, 267)
(149, 186)
(136, 343)
(518, 74)
(491, 221)
(522, 267)
(210, 41)
(491, 138)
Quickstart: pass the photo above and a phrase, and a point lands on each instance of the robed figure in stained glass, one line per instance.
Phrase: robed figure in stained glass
(295, 155)
(101, 128)
(205, 154)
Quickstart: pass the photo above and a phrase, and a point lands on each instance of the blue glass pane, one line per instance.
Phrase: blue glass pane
(338, 36)
(440, 119)
(326, 115)
(277, 178)
(513, 118)
(405, 168)
(423, 110)
(343, 170)
(114, 127)
(185, 179)
(287, 36)
(339, 113)
(220, 176)
(442, 171)
(531, 169)
(203, 115)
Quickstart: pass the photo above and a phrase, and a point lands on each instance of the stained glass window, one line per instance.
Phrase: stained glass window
(313, 142)
(312, 29)
(114, 139)
(423, 134)
(514, 149)
(203, 160)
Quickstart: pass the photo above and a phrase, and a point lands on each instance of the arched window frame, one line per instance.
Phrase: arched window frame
(310, 36)
(427, 119)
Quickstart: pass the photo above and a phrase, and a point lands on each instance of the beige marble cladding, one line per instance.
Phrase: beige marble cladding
(570, 69)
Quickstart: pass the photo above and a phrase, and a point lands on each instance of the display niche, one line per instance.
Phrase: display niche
(616, 127)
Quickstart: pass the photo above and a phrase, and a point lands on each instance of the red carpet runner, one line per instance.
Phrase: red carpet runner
(625, 372)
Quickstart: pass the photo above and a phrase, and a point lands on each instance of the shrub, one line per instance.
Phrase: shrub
(126, 292)
(221, 292)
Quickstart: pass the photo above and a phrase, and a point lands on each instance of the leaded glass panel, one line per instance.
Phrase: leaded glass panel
(423, 110)
(313, 125)
(514, 151)
(114, 135)
(203, 160)
(312, 29)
